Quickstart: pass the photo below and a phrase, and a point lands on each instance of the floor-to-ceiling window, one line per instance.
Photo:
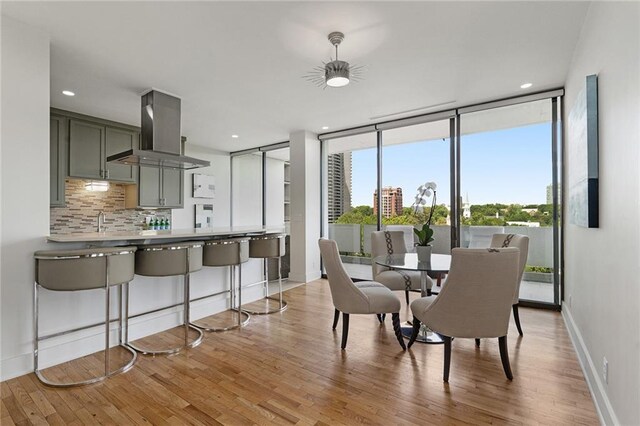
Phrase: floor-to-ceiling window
(351, 183)
(506, 185)
(260, 192)
(246, 189)
(497, 168)
(413, 156)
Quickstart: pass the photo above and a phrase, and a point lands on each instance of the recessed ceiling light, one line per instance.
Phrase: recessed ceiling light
(234, 136)
(68, 93)
(325, 127)
(526, 85)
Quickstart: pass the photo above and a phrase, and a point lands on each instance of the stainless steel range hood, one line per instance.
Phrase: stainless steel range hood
(160, 142)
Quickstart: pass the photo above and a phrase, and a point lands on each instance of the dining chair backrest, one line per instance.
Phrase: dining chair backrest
(409, 236)
(522, 243)
(383, 243)
(346, 296)
(476, 300)
(480, 236)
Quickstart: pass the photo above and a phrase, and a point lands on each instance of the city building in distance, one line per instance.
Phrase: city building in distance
(391, 202)
(338, 185)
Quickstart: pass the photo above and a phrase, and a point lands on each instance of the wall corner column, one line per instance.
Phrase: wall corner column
(305, 206)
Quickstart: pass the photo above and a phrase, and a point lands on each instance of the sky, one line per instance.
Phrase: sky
(511, 166)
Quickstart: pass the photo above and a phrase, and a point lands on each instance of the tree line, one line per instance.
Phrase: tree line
(481, 215)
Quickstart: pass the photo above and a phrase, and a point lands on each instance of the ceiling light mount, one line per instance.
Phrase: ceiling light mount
(335, 73)
(336, 38)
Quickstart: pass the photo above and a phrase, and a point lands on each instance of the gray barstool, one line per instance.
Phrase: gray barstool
(78, 270)
(167, 260)
(231, 252)
(266, 247)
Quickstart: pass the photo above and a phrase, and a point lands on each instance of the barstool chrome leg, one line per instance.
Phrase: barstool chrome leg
(107, 330)
(232, 302)
(282, 304)
(186, 318)
(107, 372)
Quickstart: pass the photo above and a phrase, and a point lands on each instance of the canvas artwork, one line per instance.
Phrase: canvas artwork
(204, 186)
(203, 216)
(582, 150)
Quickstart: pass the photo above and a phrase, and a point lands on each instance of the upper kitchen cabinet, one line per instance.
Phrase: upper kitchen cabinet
(91, 141)
(57, 157)
(119, 140)
(86, 141)
(157, 188)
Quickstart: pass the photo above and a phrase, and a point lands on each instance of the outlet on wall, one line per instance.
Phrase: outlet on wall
(605, 370)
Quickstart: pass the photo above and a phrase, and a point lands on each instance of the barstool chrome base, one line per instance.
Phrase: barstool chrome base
(170, 351)
(267, 310)
(122, 369)
(236, 324)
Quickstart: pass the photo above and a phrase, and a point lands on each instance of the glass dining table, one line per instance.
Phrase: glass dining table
(439, 264)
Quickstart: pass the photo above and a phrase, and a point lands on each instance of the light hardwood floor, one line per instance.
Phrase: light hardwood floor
(288, 368)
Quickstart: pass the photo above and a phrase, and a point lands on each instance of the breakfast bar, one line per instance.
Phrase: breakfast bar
(148, 236)
(156, 256)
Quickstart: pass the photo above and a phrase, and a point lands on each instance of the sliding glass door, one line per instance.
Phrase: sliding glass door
(506, 186)
(350, 186)
(497, 168)
(413, 156)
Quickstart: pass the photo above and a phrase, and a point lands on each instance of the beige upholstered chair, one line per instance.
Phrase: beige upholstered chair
(392, 242)
(475, 302)
(367, 298)
(521, 242)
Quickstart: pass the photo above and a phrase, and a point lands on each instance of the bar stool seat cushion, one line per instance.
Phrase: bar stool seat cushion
(227, 252)
(84, 269)
(164, 260)
(267, 246)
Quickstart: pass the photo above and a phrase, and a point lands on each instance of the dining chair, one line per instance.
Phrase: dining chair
(475, 302)
(367, 298)
(393, 242)
(521, 242)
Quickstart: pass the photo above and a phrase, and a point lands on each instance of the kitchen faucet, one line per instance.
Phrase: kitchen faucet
(101, 218)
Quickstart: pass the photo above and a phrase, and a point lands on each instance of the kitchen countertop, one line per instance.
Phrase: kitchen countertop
(171, 234)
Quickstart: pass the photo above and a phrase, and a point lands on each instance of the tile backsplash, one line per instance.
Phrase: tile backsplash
(82, 208)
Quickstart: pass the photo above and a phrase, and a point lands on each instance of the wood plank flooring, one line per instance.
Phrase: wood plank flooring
(288, 368)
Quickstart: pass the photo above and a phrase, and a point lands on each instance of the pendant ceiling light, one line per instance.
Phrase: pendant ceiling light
(335, 73)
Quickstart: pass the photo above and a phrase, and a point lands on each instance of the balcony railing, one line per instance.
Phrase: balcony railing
(354, 240)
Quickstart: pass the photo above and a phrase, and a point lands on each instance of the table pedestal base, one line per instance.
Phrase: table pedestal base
(425, 335)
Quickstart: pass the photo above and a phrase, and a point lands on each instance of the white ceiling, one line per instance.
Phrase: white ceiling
(238, 66)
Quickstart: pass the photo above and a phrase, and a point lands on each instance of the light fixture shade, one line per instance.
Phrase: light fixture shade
(336, 73)
(97, 186)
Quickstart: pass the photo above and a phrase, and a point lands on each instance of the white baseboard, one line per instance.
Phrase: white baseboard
(76, 345)
(603, 406)
(305, 277)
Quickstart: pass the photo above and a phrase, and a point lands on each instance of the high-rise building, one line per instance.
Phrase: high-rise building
(391, 201)
(339, 185)
(550, 194)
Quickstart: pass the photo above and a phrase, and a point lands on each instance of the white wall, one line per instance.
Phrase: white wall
(25, 190)
(602, 284)
(220, 168)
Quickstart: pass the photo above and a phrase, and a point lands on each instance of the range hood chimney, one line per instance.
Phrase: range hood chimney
(160, 139)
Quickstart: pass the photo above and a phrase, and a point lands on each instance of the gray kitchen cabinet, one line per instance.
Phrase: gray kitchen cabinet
(86, 142)
(57, 159)
(172, 188)
(90, 143)
(119, 140)
(160, 188)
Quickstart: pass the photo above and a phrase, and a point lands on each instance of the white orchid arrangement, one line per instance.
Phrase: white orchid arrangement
(425, 234)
